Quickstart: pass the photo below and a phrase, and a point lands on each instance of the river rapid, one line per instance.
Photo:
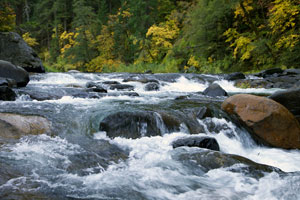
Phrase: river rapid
(78, 161)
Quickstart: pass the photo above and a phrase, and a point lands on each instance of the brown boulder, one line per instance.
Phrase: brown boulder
(15, 125)
(269, 121)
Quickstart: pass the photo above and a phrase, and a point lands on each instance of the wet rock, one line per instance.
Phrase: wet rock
(289, 99)
(8, 70)
(7, 94)
(15, 50)
(269, 72)
(215, 90)
(152, 87)
(3, 82)
(283, 81)
(58, 93)
(291, 71)
(8, 131)
(15, 125)
(168, 77)
(235, 76)
(208, 160)
(181, 121)
(197, 141)
(110, 82)
(132, 124)
(121, 87)
(269, 121)
(198, 113)
(140, 80)
(99, 88)
(90, 84)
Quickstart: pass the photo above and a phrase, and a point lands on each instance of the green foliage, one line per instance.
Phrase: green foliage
(199, 36)
(7, 17)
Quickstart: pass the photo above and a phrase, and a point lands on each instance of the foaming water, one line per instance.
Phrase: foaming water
(229, 87)
(240, 143)
(184, 85)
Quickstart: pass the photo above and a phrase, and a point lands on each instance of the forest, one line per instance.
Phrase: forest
(201, 36)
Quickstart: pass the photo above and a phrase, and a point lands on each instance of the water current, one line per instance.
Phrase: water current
(77, 161)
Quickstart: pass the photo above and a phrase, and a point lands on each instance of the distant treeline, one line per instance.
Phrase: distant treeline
(205, 36)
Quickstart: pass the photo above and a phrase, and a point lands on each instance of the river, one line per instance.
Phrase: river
(78, 161)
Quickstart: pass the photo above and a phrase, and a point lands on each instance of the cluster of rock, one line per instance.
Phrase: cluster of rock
(16, 60)
(270, 78)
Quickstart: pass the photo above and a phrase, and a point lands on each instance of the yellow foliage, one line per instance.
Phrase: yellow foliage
(283, 15)
(288, 41)
(242, 45)
(161, 38)
(105, 45)
(7, 18)
(193, 62)
(239, 10)
(29, 40)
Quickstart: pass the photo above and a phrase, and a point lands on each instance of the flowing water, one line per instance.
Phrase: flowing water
(77, 161)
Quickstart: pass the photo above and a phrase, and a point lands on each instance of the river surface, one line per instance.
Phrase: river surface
(77, 161)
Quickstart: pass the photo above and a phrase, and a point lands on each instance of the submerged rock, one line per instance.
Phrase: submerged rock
(10, 71)
(215, 90)
(15, 50)
(269, 121)
(132, 124)
(197, 141)
(208, 160)
(7, 94)
(15, 125)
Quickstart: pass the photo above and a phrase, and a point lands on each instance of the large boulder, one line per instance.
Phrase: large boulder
(269, 121)
(206, 160)
(15, 125)
(7, 94)
(14, 49)
(197, 141)
(215, 90)
(289, 99)
(132, 124)
(10, 71)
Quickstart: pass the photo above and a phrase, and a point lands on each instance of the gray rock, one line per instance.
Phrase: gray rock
(152, 87)
(7, 94)
(235, 76)
(197, 141)
(14, 49)
(121, 87)
(207, 160)
(131, 124)
(215, 90)
(8, 70)
(289, 99)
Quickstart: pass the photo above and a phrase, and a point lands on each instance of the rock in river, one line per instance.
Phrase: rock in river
(289, 99)
(197, 141)
(269, 121)
(215, 90)
(131, 124)
(10, 71)
(15, 125)
(7, 94)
